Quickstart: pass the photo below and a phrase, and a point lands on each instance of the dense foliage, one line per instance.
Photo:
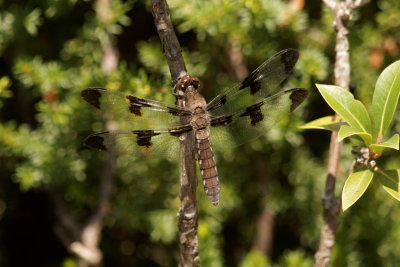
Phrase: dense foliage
(51, 50)
(353, 121)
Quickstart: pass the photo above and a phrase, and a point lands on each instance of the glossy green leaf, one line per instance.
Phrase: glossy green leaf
(390, 182)
(392, 142)
(386, 96)
(346, 131)
(355, 186)
(330, 123)
(344, 104)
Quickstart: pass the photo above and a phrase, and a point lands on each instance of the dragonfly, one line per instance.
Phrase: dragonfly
(247, 110)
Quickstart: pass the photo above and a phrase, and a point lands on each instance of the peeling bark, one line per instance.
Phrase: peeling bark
(169, 41)
(188, 214)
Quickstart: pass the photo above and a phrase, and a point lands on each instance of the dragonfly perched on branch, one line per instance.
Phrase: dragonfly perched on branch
(249, 109)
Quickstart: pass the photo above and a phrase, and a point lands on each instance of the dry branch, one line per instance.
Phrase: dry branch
(236, 61)
(188, 214)
(331, 206)
(265, 221)
(169, 41)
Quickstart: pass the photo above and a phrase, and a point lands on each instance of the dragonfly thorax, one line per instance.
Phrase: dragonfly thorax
(200, 121)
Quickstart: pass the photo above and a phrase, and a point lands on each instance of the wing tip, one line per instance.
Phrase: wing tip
(289, 58)
(95, 141)
(293, 51)
(297, 96)
(92, 95)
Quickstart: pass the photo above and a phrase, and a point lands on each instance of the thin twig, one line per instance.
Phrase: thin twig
(69, 233)
(188, 214)
(91, 232)
(342, 14)
(84, 241)
(265, 221)
(169, 41)
(236, 61)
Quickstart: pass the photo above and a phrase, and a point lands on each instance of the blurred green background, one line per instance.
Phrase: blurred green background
(270, 211)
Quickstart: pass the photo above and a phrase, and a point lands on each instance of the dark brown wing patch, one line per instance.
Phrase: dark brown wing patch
(92, 96)
(221, 101)
(144, 137)
(178, 131)
(252, 82)
(138, 101)
(254, 112)
(297, 97)
(136, 104)
(221, 121)
(95, 141)
(289, 59)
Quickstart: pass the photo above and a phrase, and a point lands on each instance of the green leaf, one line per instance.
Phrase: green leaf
(330, 123)
(343, 102)
(390, 182)
(386, 95)
(32, 21)
(355, 187)
(346, 131)
(5, 84)
(254, 258)
(392, 142)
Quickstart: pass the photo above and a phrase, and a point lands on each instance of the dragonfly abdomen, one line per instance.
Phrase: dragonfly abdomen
(208, 169)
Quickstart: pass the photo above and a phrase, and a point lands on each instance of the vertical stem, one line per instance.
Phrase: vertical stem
(342, 14)
(188, 214)
(331, 207)
(169, 41)
(265, 221)
(91, 232)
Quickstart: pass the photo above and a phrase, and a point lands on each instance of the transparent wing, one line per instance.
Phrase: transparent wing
(137, 113)
(260, 84)
(149, 142)
(250, 122)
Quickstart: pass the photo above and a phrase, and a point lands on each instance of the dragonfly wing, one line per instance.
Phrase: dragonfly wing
(149, 142)
(138, 113)
(260, 84)
(250, 122)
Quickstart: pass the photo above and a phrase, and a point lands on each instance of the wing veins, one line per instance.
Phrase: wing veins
(297, 96)
(93, 95)
(261, 82)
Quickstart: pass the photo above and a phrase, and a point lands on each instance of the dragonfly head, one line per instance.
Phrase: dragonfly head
(186, 82)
